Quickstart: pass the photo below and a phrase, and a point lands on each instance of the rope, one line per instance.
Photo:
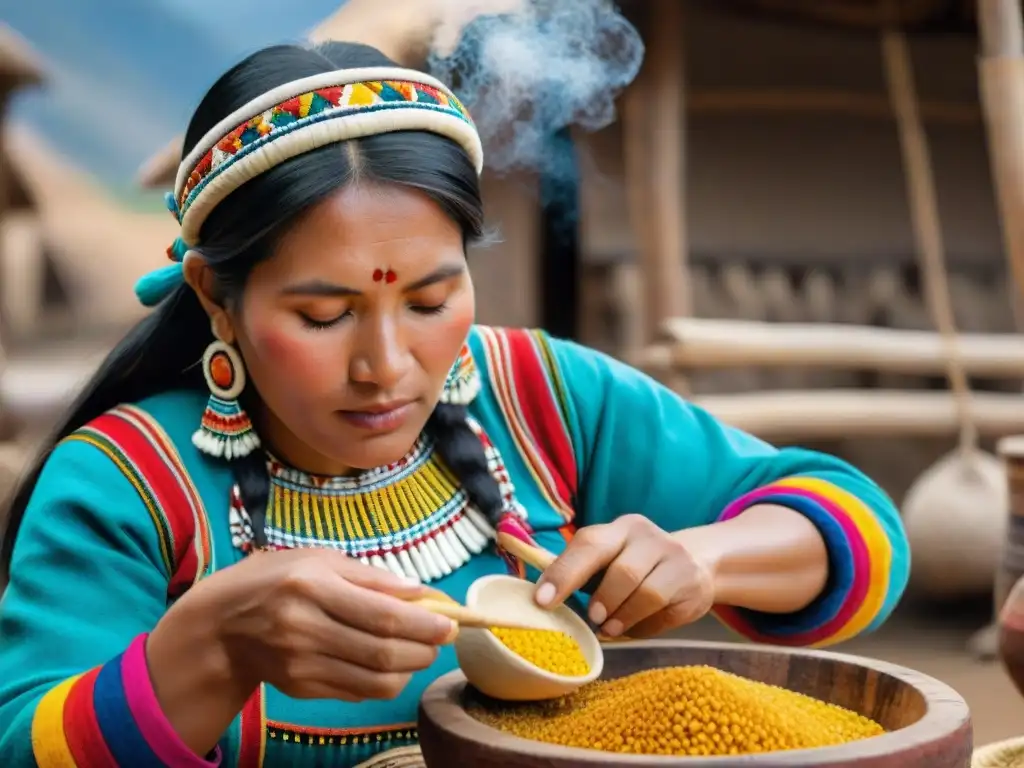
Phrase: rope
(924, 209)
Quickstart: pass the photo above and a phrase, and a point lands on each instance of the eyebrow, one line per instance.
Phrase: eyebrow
(318, 287)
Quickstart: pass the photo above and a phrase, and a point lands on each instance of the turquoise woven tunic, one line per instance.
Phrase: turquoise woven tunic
(128, 515)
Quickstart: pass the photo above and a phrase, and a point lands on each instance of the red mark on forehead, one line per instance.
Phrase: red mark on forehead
(387, 277)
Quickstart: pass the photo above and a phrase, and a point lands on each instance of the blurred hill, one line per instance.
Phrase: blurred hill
(125, 75)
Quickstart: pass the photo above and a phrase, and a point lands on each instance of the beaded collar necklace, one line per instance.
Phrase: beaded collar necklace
(411, 517)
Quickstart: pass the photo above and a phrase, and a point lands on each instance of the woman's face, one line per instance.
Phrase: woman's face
(349, 331)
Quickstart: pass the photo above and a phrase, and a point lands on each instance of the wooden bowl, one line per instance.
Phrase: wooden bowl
(929, 723)
(501, 674)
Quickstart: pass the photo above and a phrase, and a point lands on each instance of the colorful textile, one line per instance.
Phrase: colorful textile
(860, 562)
(128, 514)
(108, 716)
(309, 108)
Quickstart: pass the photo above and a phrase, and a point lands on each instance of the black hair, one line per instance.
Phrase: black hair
(163, 351)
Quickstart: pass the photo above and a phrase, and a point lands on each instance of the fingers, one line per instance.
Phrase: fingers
(370, 599)
(378, 654)
(676, 615)
(622, 578)
(591, 550)
(384, 616)
(323, 677)
(659, 590)
(379, 580)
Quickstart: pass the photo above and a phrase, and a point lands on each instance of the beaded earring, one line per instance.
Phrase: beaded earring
(463, 382)
(226, 430)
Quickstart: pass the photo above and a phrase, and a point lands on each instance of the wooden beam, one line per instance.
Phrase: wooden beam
(821, 414)
(698, 343)
(804, 101)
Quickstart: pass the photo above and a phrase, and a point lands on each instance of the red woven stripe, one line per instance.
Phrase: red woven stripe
(542, 412)
(185, 487)
(250, 752)
(152, 465)
(81, 729)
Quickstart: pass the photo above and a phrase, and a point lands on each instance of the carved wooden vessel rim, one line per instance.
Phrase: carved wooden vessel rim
(946, 713)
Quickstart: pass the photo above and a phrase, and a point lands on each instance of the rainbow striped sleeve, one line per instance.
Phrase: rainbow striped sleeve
(868, 563)
(109, 717)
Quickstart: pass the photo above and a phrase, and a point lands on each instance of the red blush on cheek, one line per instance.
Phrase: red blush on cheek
(457, 325)
(447, 337)
(296, 355)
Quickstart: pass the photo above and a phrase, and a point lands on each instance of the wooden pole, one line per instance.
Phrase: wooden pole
(1001, 82)
(927, 225)
(653, 137)
(1001, 79)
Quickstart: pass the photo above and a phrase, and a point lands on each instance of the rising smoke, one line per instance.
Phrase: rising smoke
(538, 67)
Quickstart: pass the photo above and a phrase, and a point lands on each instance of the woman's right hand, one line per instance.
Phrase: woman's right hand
(313, 623)
(317, 624)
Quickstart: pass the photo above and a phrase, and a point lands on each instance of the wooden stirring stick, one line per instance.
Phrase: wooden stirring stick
(468, 617)
(529, 554)
(540, 559)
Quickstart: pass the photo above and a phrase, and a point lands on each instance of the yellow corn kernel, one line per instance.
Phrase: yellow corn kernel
(682, 711)
(554, 652)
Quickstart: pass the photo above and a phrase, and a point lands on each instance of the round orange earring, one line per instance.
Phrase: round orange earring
(226, 431)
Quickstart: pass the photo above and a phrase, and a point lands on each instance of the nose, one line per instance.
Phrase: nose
(380, 356)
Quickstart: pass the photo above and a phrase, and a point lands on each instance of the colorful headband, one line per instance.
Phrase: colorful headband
(291, 120)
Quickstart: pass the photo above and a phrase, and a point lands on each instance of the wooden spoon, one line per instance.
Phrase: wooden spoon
(442, 605)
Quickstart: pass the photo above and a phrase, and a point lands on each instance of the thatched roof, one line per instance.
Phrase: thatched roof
(19, 64)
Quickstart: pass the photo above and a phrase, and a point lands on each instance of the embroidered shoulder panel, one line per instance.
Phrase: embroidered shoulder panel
(532, 396)
(145, 454)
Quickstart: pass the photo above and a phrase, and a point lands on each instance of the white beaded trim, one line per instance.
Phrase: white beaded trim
(436, 548)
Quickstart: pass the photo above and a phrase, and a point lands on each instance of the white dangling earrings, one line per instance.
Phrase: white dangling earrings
(226, 431)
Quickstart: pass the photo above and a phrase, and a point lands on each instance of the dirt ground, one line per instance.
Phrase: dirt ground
(933, 641)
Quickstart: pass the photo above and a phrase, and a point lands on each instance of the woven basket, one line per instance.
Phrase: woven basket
(1000, 754)
(403, 757)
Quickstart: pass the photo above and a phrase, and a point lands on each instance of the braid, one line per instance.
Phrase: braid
(254, 487)
(464, 454)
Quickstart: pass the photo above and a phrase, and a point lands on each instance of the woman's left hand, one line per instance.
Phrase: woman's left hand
(652, 582)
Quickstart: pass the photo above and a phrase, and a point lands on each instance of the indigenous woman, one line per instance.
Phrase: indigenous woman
(214, 563)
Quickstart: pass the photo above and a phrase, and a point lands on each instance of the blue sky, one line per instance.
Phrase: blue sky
(125, 74)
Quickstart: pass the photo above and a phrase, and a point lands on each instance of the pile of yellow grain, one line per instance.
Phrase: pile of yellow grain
(682, 711)
(552, 651)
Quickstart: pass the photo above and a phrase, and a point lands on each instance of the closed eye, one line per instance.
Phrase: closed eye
(322, 325)
(435, 309)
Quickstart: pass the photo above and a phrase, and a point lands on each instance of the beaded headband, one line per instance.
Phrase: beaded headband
(291, 120)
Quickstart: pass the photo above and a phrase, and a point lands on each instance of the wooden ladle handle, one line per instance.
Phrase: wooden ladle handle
(439, 603)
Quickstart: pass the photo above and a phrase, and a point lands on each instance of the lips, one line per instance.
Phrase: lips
(380, 417)
(379, 408)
